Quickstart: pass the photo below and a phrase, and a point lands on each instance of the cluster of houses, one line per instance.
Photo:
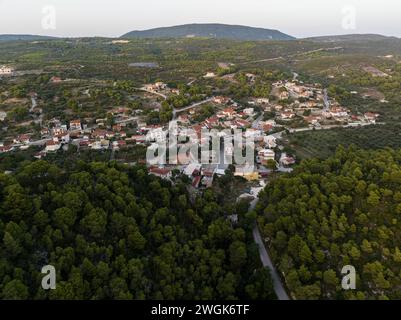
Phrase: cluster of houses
(6, 70)
(99, 136)
(160, 87)
(96, 137)
(310, 103)
(295, 100)
(202, 174)
(228, 116)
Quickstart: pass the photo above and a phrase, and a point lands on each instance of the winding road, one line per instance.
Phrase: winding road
(267, 261)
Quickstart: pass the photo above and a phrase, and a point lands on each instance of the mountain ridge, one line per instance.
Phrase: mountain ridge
(24, 37)
(351, 37)
(152, 33)
(210, 30)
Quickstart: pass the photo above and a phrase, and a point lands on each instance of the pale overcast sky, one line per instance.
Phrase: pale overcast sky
(300, 18)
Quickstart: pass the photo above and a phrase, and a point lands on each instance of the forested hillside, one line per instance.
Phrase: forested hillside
(341, 211)
(114, 232)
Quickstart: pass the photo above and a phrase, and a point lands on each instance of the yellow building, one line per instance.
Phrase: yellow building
(247, 172)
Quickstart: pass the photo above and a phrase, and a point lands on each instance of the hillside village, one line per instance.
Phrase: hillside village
(292, 106)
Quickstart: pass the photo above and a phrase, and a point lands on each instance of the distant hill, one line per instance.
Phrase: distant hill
(23, 37)
(218, 31)
(351, 38)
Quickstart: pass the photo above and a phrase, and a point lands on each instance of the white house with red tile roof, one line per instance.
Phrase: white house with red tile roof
(138, 138)
(39, 155)
(265, 156)
(267, 127)
(242, 123)
(23, 138)
(52, 146)
(59, 129)
(212, 122)
(228, 112)
(99, 134)
(75, 125)
(338, 112)
(4, 149)
(156, 86)
(286, 160)
(110, 134)
(221, 100)
(56, 79)
(62, 137)
(312, 119)
(371, 117)
(164, 173)
(287, 115)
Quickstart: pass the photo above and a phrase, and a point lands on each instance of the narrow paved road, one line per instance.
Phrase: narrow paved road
(266, 260)
(255, 124)
(291, 55)
(326, 100)
(39, 142)
(127, 120)
(333, 126)
(152, 92)
(34, 104)
(262, 60)
(112, 154)
(192, 106)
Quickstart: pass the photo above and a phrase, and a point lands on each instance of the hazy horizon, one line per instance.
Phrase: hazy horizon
(104, 18)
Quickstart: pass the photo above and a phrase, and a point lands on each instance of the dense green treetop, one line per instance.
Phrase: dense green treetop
(115, 232)
(336, 212)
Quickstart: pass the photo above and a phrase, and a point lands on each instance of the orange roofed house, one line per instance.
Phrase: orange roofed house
(163, 173)
(75, 125)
